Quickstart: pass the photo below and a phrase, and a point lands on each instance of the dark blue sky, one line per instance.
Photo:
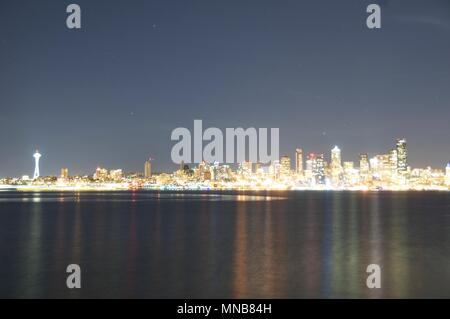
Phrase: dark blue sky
(111, 93)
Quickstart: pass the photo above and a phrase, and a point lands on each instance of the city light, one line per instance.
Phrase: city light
(388, 171)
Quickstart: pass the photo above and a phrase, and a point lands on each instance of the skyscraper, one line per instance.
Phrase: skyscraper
(336, 157)
(402, 156)
(308, 172)
(350, 175)
(147, 169)
(258, 167)
(64, 173)
(36, 156)
(364, 167)
(309, 161)
(285, 163)
(380, 167)
(318, 168)
(299, 161)
(336, 166)
(393, 160)
(275, 168)
(101, 174)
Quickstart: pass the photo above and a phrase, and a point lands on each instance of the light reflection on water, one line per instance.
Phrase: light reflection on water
(231, 245)
(126, 196)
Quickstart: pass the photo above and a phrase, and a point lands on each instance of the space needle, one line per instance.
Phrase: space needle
(36, 156)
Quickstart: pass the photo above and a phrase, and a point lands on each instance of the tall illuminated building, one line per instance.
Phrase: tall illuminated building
(318, 169)
(299, 161)
(336, 166)
(350, 175)
(147, 169)
(402, 156)
(101, 174)
(336, 157)
(285, 165)
(380, 166)
(310, 161)
(393, 161)
(36, 156)
(308, 172)
(64, 173)
(364, 167)
(275, 168)
(258, 167)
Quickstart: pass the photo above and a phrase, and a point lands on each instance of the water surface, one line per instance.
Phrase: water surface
(225, 245)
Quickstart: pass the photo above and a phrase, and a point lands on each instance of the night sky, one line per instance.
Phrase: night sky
(111, 93)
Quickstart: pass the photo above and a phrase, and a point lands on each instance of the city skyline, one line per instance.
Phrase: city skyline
(387, 171)
(323, 78)
(396, 157)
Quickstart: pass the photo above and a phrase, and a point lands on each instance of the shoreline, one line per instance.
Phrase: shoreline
(119, 188)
